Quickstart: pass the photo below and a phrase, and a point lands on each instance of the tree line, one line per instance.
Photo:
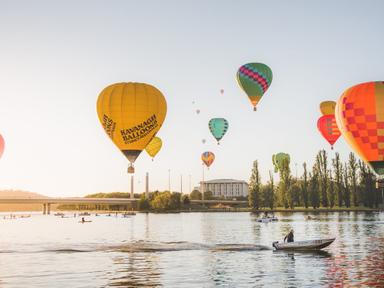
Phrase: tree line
(330, 183)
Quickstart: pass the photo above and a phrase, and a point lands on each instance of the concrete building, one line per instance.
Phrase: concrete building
(226, 188)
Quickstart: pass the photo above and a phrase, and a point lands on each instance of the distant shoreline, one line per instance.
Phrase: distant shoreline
(213, 210)
(249, 210)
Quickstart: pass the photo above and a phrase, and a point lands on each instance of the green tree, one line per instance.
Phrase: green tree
(367, 189)
(254, 187)
(294, 194)
(331, 190)
(347, 192)
(338, 171)
(285, 183)
(304, 186)
(321, 163)
(314, 188)
(353, 171)
(185, 200)
(208, 195)
(166, 200)
(143, 203)
(270, 197)
(195, 195)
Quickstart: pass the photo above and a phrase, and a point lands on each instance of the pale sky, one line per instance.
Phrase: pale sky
(57, 56)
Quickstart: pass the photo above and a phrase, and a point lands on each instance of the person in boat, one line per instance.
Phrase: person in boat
(289, 237)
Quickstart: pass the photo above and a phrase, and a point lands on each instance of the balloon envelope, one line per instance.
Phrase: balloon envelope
(218, 127)
(2, 145)
(254, 79)
(360, 116)
(208, 158)
(327, 107)
(154, 146)
(278, 159)
(131, 115)
(328, 128)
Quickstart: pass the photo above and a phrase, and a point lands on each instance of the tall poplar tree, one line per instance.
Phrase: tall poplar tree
(338, 171)
(254, 187)
(321, 163)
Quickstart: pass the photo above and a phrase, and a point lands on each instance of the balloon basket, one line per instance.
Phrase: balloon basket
(254, 108)
(131, 169)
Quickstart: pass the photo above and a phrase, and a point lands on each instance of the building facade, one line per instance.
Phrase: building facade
(225, 188)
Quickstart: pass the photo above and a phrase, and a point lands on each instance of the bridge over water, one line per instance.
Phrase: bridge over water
(47, 202)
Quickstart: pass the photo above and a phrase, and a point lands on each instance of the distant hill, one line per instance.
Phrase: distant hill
(6, 194)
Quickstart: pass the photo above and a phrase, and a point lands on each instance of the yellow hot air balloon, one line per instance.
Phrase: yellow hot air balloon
(154, 147)
(327, 107)
(131, 114)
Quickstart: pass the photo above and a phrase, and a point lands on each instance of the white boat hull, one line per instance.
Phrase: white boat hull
(304, 245)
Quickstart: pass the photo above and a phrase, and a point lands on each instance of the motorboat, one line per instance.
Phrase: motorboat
(303, 245)
(267, 219)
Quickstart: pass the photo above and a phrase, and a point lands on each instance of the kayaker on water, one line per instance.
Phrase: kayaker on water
(289, 237)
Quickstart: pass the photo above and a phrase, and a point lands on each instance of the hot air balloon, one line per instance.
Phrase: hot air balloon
(327, 107)
(278, 160)
(208, 158)
(2, 145)
(154, 147)
(218, 127)
(328, 128)
(254, 79)
(131, 115)
(360, 117)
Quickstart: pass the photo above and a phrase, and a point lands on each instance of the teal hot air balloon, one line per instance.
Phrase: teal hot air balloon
(218, 128)
(254, 79)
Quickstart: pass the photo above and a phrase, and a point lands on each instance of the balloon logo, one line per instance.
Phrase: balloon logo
(360, 117)
(254, 79)
(154, 147)
(131, 115)
(218, 128)
(327, 107)
(208, 158)
(328, 128)
(278, 160)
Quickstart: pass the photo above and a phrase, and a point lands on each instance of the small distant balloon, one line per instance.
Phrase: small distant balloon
(203, 141)
(218, 127)
(327, 107)
(208, 158)
(198, 111)
(328, 128)
(2, 145)
(154, 147)
(221, 91)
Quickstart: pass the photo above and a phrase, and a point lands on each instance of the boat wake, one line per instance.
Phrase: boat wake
(143, 247)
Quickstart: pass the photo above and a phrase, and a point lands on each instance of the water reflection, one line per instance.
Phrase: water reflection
(192, 250)
(136, 270)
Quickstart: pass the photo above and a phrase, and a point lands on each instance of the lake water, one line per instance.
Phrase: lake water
(190, 250)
